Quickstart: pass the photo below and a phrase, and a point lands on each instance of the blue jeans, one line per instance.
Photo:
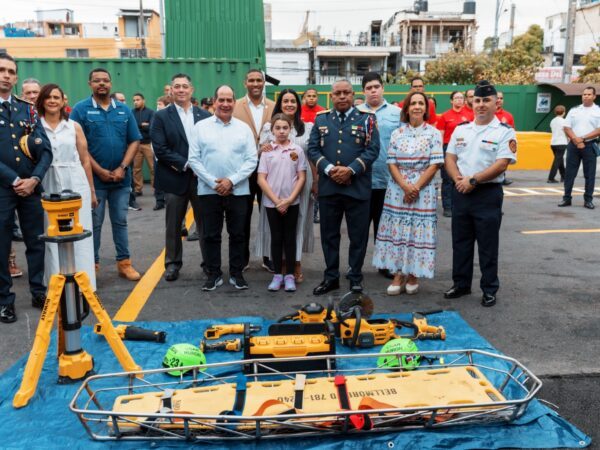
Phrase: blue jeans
(117, 199)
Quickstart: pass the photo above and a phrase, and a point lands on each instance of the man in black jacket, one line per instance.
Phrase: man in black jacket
(143, 116)
(170, 133)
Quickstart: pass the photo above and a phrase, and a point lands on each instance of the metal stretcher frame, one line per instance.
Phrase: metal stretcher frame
(517, 384)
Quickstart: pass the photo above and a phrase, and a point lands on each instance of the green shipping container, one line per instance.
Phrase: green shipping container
(519, 100)
(129, 76)
(232, 29)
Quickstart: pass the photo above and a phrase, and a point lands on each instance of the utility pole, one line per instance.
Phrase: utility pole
(162, 28)
(496, 19)
(141, 32)
(513, 7)
(570, 42)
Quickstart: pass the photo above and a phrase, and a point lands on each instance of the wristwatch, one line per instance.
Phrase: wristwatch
(473, 181)
(123, 166)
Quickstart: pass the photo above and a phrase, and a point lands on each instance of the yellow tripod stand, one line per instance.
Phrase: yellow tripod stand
(74, 363)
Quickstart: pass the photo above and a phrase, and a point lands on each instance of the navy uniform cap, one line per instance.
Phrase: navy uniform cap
(484, 89)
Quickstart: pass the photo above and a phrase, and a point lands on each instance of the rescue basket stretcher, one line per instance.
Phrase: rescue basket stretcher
(217, 402)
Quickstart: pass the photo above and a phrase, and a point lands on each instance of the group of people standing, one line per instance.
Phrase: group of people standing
(372, 163)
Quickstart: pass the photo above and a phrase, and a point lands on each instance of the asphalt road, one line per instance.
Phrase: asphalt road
(547, 313)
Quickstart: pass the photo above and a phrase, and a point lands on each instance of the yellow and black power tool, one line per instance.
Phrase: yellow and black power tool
(290, 340)
(132, 333)
(316, 313)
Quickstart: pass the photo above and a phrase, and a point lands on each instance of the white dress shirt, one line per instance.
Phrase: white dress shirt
(257, 113)
(187, 119)
(222, 150)
(583, 119)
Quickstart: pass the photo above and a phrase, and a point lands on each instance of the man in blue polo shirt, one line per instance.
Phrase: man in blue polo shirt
(113, 139)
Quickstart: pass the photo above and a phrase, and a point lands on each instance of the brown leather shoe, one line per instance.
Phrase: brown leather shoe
(15, 272)
(127, 271)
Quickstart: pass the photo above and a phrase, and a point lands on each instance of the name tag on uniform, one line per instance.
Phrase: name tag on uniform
(489, 146)
(121, 112)
(93, 112)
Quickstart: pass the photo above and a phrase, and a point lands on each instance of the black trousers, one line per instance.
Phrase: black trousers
(476, 217)
(31, 219)
(254, 191)
(283, 236)
(447, 185)
(214, 209)
(558, 165)
(376, 208)
(333, 208)
(575, 157)
(176, 207)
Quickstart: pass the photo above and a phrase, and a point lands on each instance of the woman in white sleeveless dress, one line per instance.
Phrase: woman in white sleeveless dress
(70, 169)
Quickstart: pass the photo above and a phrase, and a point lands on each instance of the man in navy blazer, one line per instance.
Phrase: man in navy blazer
(170, 133)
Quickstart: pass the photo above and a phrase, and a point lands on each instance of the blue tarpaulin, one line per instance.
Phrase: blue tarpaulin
(47, 422)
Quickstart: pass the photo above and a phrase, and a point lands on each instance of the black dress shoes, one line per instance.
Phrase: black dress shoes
(488, 300)
(17, 236)
(38, 300)
(386, 273)
(7, 314)
(356, 286)
(588, 205)
(158, 206)
(564, 203)
(326, 286)
(193, 236)
(456, 292)
(171, 274)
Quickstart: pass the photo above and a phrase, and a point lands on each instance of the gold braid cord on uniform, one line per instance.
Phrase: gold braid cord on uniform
(318, 161)
(25, 146)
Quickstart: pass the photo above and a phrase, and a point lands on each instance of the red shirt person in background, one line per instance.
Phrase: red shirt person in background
(446, 123)
(468, 108)
(418, 85)
(503, 115)
(310, 107)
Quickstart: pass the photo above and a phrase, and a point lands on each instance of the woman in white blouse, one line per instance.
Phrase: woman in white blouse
(289, 104)
(70, 169)
(558, 144)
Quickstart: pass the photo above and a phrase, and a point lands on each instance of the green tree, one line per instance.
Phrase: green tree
(457, 67)
(591, 70)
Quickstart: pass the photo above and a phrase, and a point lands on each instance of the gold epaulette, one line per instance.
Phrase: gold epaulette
(324, 111)
(24, 101)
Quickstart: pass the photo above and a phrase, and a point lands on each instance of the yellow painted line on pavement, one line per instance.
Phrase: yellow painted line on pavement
(583, 230)
(135, 302)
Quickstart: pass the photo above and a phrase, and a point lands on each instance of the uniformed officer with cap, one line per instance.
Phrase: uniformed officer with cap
(478, 154)
(25, 155)
(343, 145)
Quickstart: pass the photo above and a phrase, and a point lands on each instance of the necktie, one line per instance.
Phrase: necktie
(6, 105)
(342, 117)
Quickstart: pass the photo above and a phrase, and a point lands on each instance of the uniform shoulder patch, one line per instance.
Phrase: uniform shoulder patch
(325, 111)
(505, 125)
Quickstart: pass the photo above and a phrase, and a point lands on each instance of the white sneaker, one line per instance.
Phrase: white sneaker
(412, 288)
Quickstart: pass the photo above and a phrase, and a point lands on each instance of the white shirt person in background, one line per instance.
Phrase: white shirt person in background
(558, 144)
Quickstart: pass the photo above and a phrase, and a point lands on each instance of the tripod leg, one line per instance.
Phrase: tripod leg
(108, 330)
(41, 342)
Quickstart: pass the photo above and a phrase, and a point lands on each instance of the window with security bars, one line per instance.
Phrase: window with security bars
(133, 53)
(78, 53)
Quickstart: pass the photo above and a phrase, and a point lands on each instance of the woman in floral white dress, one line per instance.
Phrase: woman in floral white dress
(406, 238)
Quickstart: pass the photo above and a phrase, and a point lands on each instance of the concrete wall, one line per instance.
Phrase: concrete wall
(290, 67)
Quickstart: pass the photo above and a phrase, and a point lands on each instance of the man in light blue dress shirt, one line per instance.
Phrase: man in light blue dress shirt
(388, 119)
(223, 155)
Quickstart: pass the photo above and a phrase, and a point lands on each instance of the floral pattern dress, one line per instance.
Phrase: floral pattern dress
(406, 237)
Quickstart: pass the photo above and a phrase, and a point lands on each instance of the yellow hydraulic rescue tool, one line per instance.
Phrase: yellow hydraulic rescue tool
(64, 289)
